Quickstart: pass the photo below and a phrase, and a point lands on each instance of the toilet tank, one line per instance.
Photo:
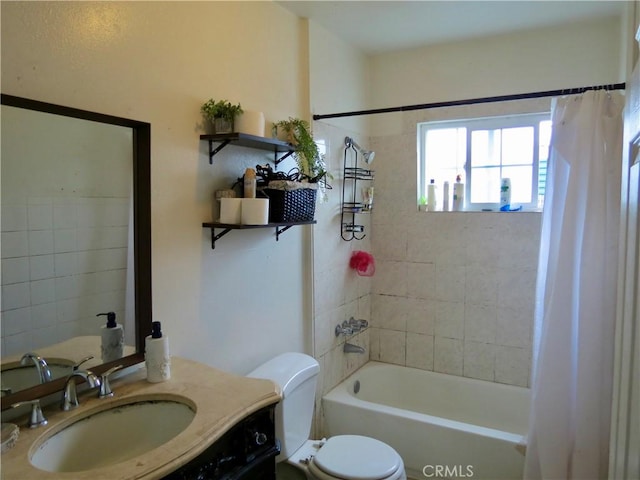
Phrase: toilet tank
(297, 376)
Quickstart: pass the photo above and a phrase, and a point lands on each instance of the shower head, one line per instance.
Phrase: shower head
(368, 155)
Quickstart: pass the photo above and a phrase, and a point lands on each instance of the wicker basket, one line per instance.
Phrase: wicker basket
(289, 203)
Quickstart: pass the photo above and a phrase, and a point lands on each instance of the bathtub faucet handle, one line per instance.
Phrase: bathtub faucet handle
(359, 324)
(343, 329)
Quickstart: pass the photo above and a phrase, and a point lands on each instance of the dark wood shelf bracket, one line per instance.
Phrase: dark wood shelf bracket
(215, 237)
(280, 228)
(277, 160)
(213, 151)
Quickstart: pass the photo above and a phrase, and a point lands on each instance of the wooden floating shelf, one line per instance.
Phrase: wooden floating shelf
(251, 141)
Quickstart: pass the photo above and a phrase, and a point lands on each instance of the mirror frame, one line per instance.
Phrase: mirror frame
(142, 234)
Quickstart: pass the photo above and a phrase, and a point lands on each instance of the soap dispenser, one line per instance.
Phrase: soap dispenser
(156, 355)
(112, 336)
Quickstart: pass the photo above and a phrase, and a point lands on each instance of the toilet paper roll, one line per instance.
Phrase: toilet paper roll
(251, 123)
(230, 210)
(255, 211)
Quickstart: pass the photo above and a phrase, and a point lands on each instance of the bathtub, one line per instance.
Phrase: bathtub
(443, 426)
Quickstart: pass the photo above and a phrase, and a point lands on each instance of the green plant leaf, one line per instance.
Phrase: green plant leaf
(220, 109)
(307, 155)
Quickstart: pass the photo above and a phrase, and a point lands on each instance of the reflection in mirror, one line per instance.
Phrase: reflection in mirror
(75, 243)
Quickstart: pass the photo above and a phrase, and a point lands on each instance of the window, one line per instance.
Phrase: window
(482, 152)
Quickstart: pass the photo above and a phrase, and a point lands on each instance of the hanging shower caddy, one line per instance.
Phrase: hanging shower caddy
(351, 206)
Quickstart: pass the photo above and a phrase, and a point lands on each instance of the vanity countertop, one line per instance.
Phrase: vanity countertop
(221, 400)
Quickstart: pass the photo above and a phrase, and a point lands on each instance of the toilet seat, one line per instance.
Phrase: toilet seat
(355, 457)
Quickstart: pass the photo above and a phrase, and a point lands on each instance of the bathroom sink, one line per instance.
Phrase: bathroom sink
(111, 434)
(18, 377)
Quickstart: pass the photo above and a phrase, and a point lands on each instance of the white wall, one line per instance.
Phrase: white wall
(544, 59)
(158, 62)
(339, 79)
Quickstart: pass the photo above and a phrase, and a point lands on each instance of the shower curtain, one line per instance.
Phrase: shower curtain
(576, 291)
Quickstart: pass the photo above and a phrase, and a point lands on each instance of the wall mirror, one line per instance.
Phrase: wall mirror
(76, 242)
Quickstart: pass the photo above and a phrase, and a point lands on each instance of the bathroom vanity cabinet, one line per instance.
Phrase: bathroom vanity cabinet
(230, 437)
(246, 451)
(280, 149)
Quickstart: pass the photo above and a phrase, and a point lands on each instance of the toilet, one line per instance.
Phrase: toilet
(343, 457)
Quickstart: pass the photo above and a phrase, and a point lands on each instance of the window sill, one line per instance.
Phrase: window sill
(524, 210)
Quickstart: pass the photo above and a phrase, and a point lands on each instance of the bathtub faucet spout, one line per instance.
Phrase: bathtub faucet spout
(350, 348)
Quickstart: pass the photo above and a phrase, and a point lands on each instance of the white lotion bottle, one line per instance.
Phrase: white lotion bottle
(156, 355)
(431, 196)
(112, 338)
(445, 197)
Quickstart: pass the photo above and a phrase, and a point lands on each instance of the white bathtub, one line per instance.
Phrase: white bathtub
(443, 426)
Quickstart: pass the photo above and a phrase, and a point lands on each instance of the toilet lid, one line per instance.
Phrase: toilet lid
(358, 458)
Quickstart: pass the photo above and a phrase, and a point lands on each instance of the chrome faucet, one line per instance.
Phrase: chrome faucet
(343, 329)
(105, 387)
(44, 374)
(70, 393)
(36, 419)
(76, 367)
(350, 348)
(357, 325)
(350, 327)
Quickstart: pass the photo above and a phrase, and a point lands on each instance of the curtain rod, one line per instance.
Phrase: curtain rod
(471, 101)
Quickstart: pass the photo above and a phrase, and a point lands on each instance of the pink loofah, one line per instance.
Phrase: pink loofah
(363, 263)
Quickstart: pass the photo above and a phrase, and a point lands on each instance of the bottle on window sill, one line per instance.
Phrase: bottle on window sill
(445, 197)
(458, 195)
(431, 196)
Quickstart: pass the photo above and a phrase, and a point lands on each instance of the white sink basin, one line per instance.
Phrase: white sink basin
(112, 434)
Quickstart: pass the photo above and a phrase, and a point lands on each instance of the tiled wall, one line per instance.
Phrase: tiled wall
(64, 259)
(454, 293)
(339, 293)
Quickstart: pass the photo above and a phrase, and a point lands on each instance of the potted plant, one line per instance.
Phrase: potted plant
(221, 114)
(292, 197)
(307, 155)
